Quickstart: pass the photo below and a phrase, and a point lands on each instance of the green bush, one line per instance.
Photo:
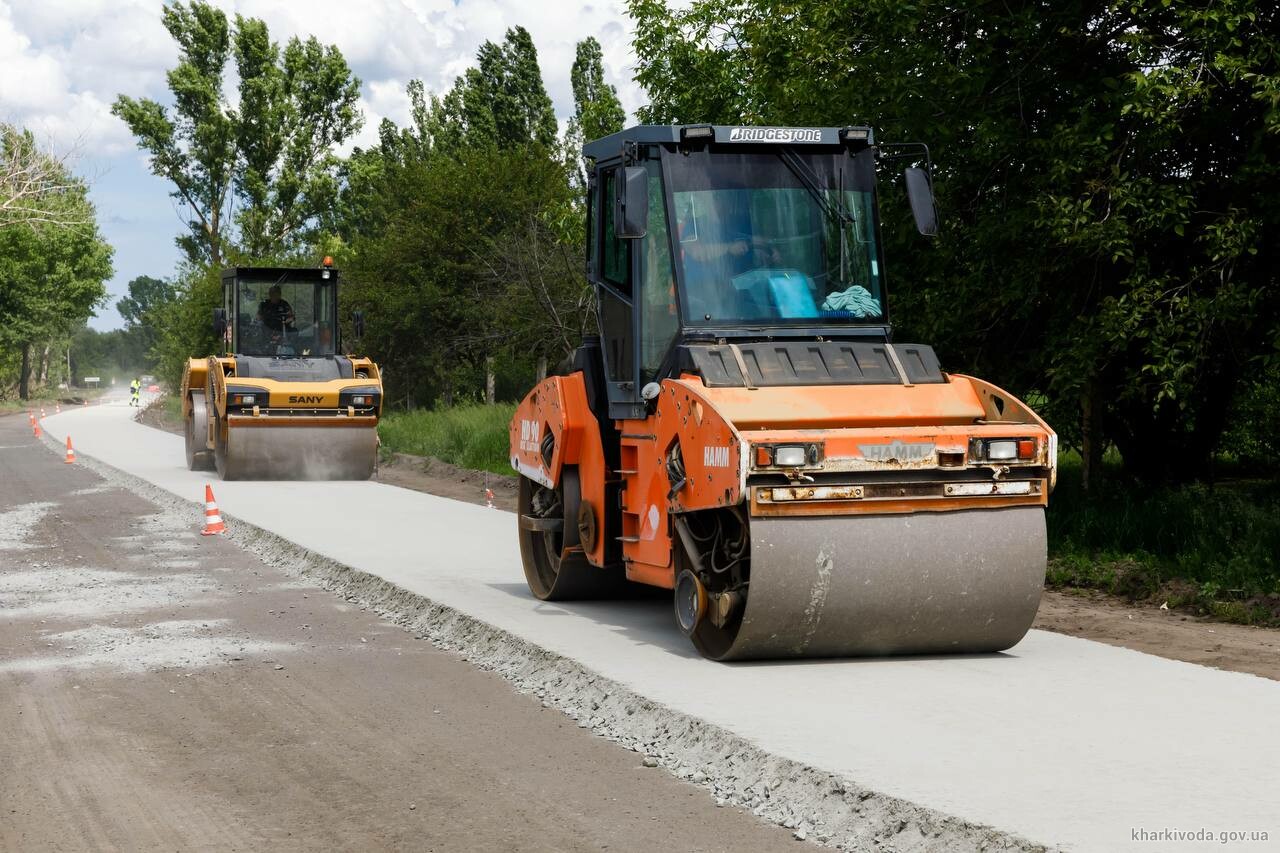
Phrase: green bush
(471, 436)
(1128, 538)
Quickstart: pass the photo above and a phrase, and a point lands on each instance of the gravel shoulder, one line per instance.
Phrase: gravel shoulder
(165, 690)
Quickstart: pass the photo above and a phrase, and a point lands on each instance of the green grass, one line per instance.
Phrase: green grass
(1215, 548)
(172, 407)
(471, 436)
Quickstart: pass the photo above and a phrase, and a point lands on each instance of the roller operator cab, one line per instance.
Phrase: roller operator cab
(745, 431)
(281, 402)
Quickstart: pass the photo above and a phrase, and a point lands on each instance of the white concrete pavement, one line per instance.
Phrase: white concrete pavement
(1063, 741)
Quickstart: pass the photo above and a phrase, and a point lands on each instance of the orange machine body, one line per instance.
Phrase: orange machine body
(872, 449)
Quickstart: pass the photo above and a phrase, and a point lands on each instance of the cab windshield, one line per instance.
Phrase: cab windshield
(776, 238)
(282, 318)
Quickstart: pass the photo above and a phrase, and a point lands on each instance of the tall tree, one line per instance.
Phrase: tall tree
(51, 279)
(145, 295)
(502, 101)
(597, 111)
(274, 153)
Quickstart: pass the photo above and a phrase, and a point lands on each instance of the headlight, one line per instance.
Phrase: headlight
(246, 397)
(1002, 449)
(789, 456)
(361, 398)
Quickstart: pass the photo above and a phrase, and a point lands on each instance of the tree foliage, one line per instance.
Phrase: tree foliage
(597, 111)
(51, 278)
(272, 154)
(1108, 174)
(455, 236)
(32, 182)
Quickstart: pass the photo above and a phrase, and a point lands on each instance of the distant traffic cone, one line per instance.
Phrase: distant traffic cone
(35, 427)
(31, 418)
(57, 409)
(42, 414)
(488, 498)
(212, 520)
(71, 454)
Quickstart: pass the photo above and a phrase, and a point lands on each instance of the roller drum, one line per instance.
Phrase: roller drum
(923, 583)
(299, 453)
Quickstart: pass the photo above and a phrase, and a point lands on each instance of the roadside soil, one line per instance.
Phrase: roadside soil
(1084, 613)
(164, 690)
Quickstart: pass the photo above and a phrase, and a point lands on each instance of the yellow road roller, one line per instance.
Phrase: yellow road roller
(281, 403)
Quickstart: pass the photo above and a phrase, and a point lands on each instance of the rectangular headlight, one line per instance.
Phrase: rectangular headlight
(792, 456)
(1002, 450)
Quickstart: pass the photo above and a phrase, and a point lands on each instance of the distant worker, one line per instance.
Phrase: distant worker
(135, 388)
(276, 313)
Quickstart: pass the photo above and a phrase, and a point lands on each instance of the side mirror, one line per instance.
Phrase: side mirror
(631, 203)
(357, 324)
(219, 323)
(920, 195)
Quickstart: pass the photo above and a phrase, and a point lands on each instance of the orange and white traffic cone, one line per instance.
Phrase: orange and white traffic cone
(35, 427)
(488, 498)
(71, 454)
(31, 418)
(42, 414)
(57, 408)
(212, 519)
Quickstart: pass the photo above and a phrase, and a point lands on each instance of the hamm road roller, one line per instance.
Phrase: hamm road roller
(745, 431)
(281, 403)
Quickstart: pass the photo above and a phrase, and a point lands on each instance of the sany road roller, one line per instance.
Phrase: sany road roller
(281, 403)
(746, 432)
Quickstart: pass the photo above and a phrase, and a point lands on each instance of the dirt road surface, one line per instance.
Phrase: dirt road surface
(162, 690)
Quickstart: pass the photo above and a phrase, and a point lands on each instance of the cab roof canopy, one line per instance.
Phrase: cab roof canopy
(611, 146)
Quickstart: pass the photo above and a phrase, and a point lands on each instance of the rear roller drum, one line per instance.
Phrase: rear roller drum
(221, 453)
(555, 566)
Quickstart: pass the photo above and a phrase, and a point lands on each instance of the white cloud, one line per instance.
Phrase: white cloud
(64, 62)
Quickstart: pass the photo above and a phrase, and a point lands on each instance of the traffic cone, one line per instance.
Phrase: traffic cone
(31, 418)
(57, 409)
(488, 498)
(35, 427)
(42, 414)
(71, 454)
(212, 520)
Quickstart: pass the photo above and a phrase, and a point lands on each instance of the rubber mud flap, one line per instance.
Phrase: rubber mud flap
(301, 453)
(924, 583)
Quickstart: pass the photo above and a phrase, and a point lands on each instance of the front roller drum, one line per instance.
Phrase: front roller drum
(295, 452)
(926, 583)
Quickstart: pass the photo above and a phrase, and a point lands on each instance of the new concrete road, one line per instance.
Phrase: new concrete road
(1061, 741)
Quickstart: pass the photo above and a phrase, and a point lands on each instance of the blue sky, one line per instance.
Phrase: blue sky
(62, 63)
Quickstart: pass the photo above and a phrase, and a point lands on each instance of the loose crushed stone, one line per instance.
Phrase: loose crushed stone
(17, 524)
(159, 645)
(69, 591)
